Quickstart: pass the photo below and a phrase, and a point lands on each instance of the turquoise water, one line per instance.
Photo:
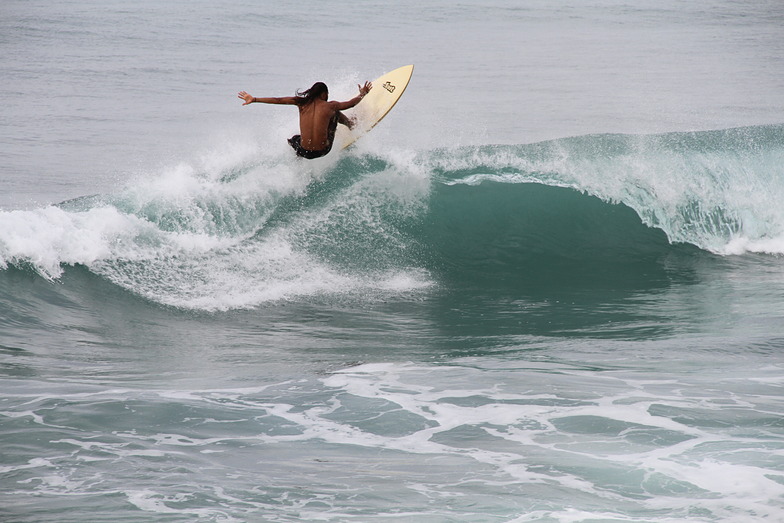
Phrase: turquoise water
(539, 310)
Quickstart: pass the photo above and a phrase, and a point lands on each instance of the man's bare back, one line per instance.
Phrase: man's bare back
(318, 117)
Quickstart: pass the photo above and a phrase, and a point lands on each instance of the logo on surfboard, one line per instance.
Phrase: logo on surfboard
(389, 87)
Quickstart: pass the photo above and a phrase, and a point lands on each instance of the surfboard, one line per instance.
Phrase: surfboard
(387, 90)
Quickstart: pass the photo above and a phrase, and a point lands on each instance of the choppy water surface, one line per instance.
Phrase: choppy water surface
(536, 310)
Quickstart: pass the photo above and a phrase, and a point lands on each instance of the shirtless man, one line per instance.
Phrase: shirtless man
(318, 118)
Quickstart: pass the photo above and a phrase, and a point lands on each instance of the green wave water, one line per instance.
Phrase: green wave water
(592, 205)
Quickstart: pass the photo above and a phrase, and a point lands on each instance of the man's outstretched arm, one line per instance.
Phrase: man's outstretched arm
(363, 90)
(286, 100)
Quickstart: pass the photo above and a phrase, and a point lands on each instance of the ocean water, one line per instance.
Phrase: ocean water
(548, 287)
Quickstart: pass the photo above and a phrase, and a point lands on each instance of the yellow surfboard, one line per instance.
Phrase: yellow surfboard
(387, 90)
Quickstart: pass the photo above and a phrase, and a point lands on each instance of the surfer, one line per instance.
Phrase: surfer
(318, 117)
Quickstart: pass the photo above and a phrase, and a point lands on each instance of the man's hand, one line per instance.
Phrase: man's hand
(365, 89)
(245, 96)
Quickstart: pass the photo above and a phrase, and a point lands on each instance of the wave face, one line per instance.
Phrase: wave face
(717, 190)
(239, 230)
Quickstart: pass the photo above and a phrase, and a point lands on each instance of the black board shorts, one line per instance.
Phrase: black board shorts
(296, 142)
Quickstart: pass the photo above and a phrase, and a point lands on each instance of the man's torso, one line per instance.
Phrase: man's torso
(314, 124)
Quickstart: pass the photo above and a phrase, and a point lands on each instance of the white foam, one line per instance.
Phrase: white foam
(184, 235)
(151, 501)
(51, 237)
(742, 245)
(488, 426)
(708, 479)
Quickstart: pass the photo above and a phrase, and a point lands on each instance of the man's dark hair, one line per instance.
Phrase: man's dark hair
(316, 90)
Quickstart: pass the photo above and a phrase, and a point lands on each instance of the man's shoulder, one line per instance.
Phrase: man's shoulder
(331, 106)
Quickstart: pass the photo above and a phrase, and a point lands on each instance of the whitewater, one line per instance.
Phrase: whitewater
(548, 287)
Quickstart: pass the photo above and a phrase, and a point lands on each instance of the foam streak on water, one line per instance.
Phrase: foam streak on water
(547, 442)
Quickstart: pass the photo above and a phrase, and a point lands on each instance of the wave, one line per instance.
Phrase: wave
(244, 229)
(717, 190)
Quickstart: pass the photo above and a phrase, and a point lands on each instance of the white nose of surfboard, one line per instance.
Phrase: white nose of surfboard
(387, 90)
